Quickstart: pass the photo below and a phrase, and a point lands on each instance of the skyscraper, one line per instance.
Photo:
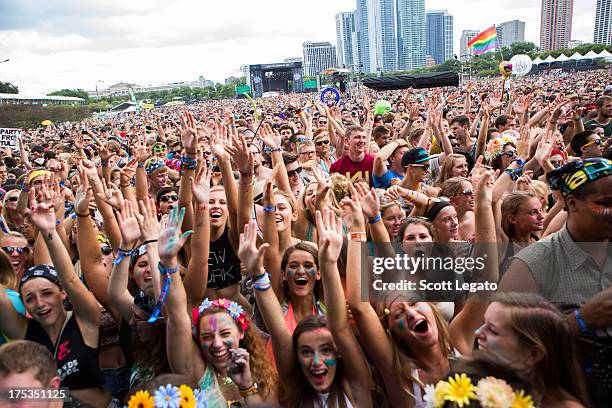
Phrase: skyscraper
(439, 35)
(345, 27)
(382, 43)
(603, 22)
(318, 56)
(510, 32)
(466, 52)
(411, 34)
(363, 40)
(555, 24)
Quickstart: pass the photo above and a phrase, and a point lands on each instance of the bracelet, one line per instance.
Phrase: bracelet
(149, 241)
(411, 197)
(270, 209)
(73, 216)
(124, 185)
(278, 149)
(582, 324)
(24, 188)
(202, 207)
(252, 390)
(188, 152)
(514, 173)
(375, 219)
(57, 222)
(165, 270)
(141, 165)
(104, 163)
(358, 236)
(123, 254)
(262, 282)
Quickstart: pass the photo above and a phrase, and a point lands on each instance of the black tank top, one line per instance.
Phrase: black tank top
(223, 264)
(77, 363)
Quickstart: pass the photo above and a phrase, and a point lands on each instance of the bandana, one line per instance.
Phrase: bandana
(41, 271)
(154, 164)
(570, 177)
(435, 209)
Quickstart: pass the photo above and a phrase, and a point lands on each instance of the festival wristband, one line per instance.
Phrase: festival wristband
(252, 390)
(262, 282)
(358, 236)
(581, 323)
(104, 163)
(375, 219)
(122, 254)
(149, 241)
(24, 188)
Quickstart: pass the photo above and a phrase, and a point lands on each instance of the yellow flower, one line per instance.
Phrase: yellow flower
(494, 393)
(187, 397)
(142, 399)
(522, 401)
(440, 394)
(460, 390)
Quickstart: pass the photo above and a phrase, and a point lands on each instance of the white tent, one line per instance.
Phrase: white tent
(576, 56)
(605, 54)
(561, 58)
(537, 61)
(590, 55)
(549, 59)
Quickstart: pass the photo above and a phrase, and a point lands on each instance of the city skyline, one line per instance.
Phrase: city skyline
(71, 44)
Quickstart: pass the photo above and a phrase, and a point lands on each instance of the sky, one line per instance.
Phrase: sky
(56, 44)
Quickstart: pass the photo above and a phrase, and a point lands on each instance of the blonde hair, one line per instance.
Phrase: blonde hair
(511, 204)
(8, 277)
(447, 167)
(452, 187)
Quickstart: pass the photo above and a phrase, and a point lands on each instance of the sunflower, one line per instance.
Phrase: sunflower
(187, 397)
(522, 401)
(460, 390)
(142, 399)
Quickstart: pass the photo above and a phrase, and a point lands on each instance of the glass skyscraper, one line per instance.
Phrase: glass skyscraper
(439, 35)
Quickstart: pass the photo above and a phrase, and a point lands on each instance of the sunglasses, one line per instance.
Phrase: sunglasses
(20, 250)
(424, 166)
(467, 192)
(322, 142)
(159, 149)
(594, 141)
(12, 198)
(106, 250)
(292, 173)
(509, 153)
(166, 198)
(207, 153)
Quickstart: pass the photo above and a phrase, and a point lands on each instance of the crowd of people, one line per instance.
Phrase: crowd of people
(220, 254)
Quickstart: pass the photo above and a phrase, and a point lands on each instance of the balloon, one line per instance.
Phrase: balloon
(521, 64)
(505, 68)
(382, 107)
(327, 94)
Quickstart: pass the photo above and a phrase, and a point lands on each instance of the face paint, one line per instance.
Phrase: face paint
(303, 363)
(213, 323)
(600, 210)
(330, 361)
(311, 272)
(228, 343)
(316, 360)
(291, 272)
(402, 324)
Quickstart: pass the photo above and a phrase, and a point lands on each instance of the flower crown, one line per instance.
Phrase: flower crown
(495, 147)
(490, 392)
(233, 308)
(170, 396)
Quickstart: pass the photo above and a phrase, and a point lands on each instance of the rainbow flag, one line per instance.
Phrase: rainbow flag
(485, 41)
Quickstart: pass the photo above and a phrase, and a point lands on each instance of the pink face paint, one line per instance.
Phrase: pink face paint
(213, 323)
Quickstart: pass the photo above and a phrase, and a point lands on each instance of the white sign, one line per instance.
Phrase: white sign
(521, 64)
(8, 137)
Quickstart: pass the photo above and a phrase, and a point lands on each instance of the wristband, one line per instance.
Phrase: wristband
(202, 207)
(24, 188)
(122, 254)
(141, 165)
(262, 282)
(73, 216)
(167, 273)
(375, 219)
(278, 149)
(252, 390)
(514, 173)
(165, 270)
(57, 222)
(584, 328)
(149, 241)
(104, 163)
(358, 236)
(270, 209)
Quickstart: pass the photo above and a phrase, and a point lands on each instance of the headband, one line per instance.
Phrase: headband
(435, 209)
(154, 164)
(495, 147)
(575, 174)
(233, 308)
(37, 173)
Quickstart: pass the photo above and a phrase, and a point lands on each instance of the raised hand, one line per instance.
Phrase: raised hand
(126, 174)
(112, 195)
(545, 147)
(200, 187)
(128, 224)
(396, 192)
(147, 219)
(370, 203)
(251, 257)
(243, 158)
(351, 211)
(270, 138)
(42, 212)
(329, 228)
(83, 195)
(483, 189)
(90, 169)
(170, 240)
(524, 143)
(189, 133)
(141, 150)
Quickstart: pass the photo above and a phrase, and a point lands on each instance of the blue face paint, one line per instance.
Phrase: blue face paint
(330, 361)
(228, 343)
(316, 360)
(291, 272)
(312, 272)
(402, 324)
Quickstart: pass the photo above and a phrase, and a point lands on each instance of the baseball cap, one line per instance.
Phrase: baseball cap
(417, 155)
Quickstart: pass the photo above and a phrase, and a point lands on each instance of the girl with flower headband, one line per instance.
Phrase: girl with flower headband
(207, 345)
(410, 342)
(321, 363)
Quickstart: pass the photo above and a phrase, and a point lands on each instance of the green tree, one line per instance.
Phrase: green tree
(75, 93)
(7, 87)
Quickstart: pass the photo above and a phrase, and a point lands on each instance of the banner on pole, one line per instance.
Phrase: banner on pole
(8, 137)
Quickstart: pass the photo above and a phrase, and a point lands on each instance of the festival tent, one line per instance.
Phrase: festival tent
(537, 61)
(590, 55)
(605, 54)
(549, 59)
(561, 58)
(576, 56)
